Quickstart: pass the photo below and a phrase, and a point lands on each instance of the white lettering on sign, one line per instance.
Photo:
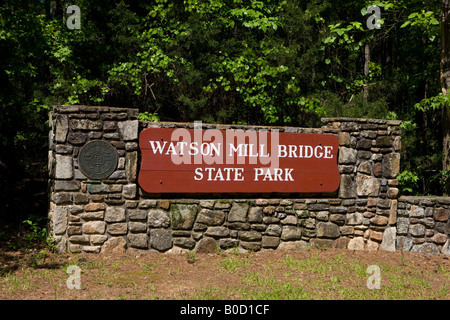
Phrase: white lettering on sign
(236, 146)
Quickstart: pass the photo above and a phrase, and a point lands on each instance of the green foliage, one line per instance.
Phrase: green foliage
(408, 182)
(240, 61)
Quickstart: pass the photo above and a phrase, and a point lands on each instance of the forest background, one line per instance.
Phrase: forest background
(283, 63)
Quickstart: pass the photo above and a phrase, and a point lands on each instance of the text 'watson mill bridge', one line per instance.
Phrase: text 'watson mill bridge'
(117, 183)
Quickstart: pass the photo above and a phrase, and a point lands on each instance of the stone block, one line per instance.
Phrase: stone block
(129, 191)
(217, 232)
(64, 167)
(62, 128)
(389, 239)
(138, 240)
(347, 155)
(206, 245)
(249, 235)
(270, 242)
(183, 215)
(255, 215)
(185, 243)
(327, 230)
(367, 185)
(114, 214)
(347, 188)
(391, 165)
(60, 220)
(158, 218)
(290, 233)
(238, 212)
(356, 243)
(129, 129)
(118, 228)
(211, 217)
(441, 214)
(94, 227)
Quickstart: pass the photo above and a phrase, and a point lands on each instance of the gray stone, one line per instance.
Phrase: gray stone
(402, 226)
(62, 128)
(391, 165)
(404, 243)
(255, 215)
(347, 188)
(327, 230)
(211, 217)
(347, 155)
(429, 248)
(98, 239)
(114, 214)
(367, 185)
(379, 220)
(118, 228)
(77, 138)
(249, 235)
(129, 191)
(129, 129)
(217, 232)
(427, 222)
(62, 198)
(355, 218)
(145, 204)
(183, 215)
(222, 204)
(290, 233)
(60, 219)
(206, 245)
(446, 248)
(137, 227)
(321, 216)
(441, 214)
(250, 246)
(417, 230)
(273, 230)
(292, 220)
(161, 239)
(356, 243)
(116, 245)
(137, 214)
(131, 163)
(389, 237)
(228, 243)
(417, 212)
(270, 242)
(94, 188)
(158, 218)
(94, 227)
(139, 240)
(238, 212)
(293, 245)
(185, 243)
(64, 167)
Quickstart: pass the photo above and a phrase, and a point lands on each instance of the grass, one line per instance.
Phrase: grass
(311, 275)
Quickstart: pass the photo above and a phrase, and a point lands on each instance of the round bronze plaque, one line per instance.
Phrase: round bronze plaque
(97, 159)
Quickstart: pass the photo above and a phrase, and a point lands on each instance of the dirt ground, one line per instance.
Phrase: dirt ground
(278, 275)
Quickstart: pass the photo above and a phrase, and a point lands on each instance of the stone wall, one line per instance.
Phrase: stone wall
(115, 214)
(423, 224)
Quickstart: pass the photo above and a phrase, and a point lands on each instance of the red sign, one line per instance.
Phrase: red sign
(237, 161)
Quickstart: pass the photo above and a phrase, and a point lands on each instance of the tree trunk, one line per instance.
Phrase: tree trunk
(366, 69)
(445, 84)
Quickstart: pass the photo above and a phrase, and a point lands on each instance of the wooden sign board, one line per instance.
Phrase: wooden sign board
(237, 161)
